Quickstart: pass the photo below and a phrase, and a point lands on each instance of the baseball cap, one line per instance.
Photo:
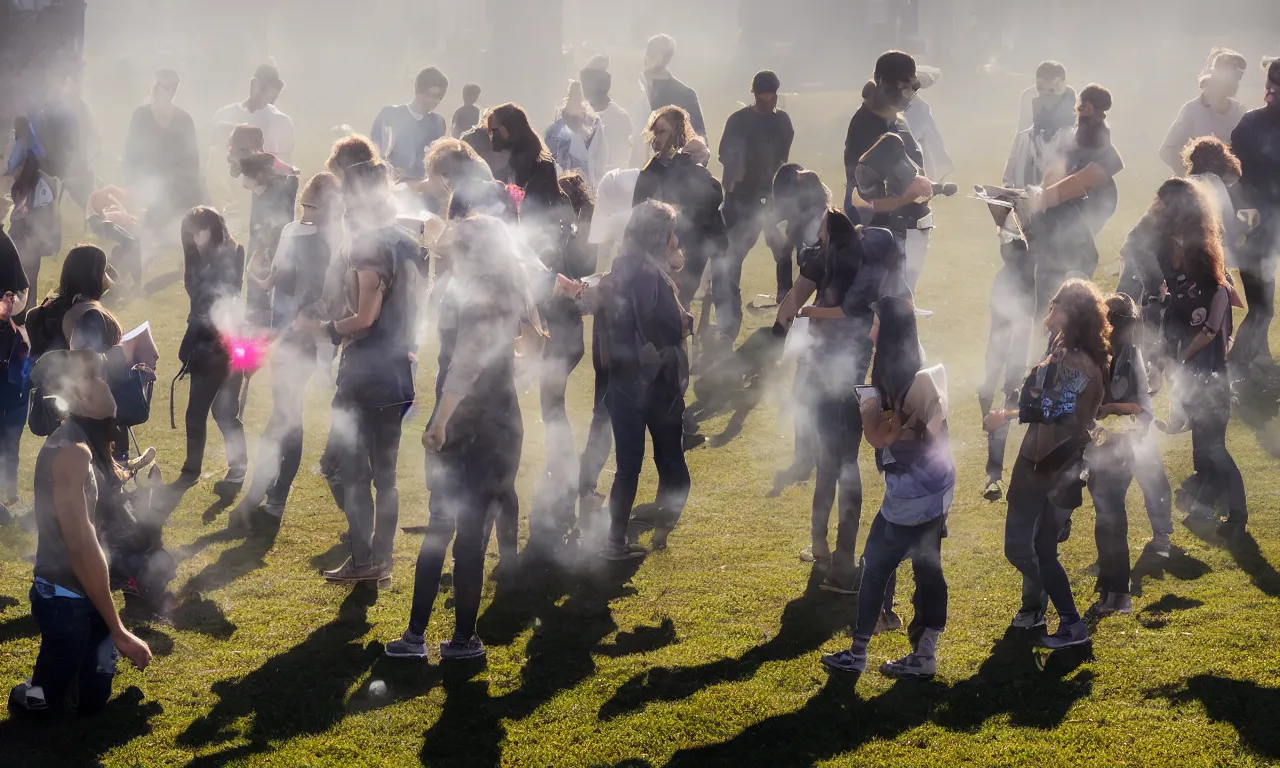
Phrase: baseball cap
(765, 81)
(268, 75)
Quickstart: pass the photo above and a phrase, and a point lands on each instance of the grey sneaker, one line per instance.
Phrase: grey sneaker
(1160, 545)
(348, 571)
(1067, 636)
(820, 554)
(993, 491)
(1119, 602)
(459, 649)
(846, 662)
(1028, 619)
(911, 665)
(26, 697)
(408, 646)
(620, 552)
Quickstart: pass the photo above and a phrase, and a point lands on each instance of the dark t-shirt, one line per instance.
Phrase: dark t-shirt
(835, 271)
(755, 146)
(1256, 142)
(1100, 204)
(12, 277)
(464, 119)
(865, 129)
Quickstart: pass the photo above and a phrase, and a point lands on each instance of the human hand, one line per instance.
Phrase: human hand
(568, 287)
(433, 438)
(805, 311)
(132, 648)
(994, 420)
(921, 189)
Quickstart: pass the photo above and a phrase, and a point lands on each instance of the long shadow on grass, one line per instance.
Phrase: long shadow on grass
(736, 383)
(568, 608)
(196, 612)
(1247, 706)
(62, 741)
(1156, 615)
(1178, 564)
(807, 623)
(299, 692)
(1258, 410)
(1244, 550)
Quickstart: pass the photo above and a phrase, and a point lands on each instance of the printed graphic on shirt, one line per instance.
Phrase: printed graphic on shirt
(1061, 400)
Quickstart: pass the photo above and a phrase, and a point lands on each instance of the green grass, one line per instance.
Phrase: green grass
(703, 655)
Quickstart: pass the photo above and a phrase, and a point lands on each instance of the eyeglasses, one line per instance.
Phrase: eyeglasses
(311, 206)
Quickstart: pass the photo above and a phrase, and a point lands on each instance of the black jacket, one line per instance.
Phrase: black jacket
(694, 192)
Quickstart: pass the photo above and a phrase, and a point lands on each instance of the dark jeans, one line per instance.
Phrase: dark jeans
(1032, 528)
(280, 450)
(745, 219)
(221, 396)
(599, 435)
(1109, 481)
(1012, 306)
(633, 408)
(558, 493)
(696, 256)
(839, 425)
(888, 544)
(804, 418)
(1157, 494)
(13, 420)
(1258, 276)
(75, 649)
(366, 440)
(1217, 478)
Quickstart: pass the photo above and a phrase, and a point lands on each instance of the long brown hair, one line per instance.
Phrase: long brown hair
(1189, 232)
(1085, 327)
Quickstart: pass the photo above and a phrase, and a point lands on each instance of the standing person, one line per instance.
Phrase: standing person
(1212, 163)
(659, 88)
(619, 128)
(274, 185)
(466, 116)
(81, 634)
(1112, 461)
(648, 373)
(302, 298)
(259, 110)
(1215, 112)
(1049, 105)
(73, 315)
(161, 156)
(1078, 199)
(677, 175)
(905, 421)
(1059, 403)
(35, 223)
(577, 139)
(906, 214)
(478, 138)
(1198, 330)
(756, 142)
(474, 438)
(213, 274)
(919, 115)
(14, 388)
(375, 375)
(402, 133)
(1256, 142)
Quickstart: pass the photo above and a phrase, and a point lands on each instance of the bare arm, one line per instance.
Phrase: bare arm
(795, 299)
(368, 307)
(881, 428)
(1074, 186)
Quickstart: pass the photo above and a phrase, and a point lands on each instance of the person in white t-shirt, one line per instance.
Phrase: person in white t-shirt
(1215, 112)
(259, 110)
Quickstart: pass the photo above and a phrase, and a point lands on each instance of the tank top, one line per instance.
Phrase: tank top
(52, 561)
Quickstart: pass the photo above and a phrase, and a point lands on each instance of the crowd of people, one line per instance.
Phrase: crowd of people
(511, 256)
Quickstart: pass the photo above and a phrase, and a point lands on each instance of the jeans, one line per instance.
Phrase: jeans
(559, 493)
(745, 219)
(1012, 306)
(1109, 481)
(633, 408)
(75, 649)
(1258, 276)
(1157, 494)
(888, 544)
(839, 426)
(1216, 478)
(599, 435)
(221, 396)
(280, 450)
(366, 440)
(13, 420)
(1032, 528)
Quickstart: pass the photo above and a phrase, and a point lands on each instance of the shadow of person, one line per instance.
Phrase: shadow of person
(161, 282)
(7, 602)
(469, 731)
(1156, 615)
(1012, 681)
(641, 640)
(301, 691)
(17, 628)
(834, 721)
(1247, 706)
(807, 623)
(1178, 564)
(58, 740)
(392, 681)
(196, 612)
(736, 381)
(1258, 409)
(1244, 550)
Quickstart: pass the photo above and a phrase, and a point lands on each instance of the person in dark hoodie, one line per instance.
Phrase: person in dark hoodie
(658, 89)
(274, 185)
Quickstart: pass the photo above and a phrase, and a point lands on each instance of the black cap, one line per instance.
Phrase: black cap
(765, 81)
(267, 74)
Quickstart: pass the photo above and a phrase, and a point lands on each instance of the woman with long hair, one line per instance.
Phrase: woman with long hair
(1059, 404)
(213, 274)
(648, 373)
(904, 418)
(475, 436)
(35, 223)
(1198, 336)
(73, 316)
(302, 284)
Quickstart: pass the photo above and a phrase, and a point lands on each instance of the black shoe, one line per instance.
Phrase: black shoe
(1230, 531)
(693, 440)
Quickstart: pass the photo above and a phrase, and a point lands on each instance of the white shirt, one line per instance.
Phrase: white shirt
(1194, 120)
(613, 205)
(620, 132)
(277, 128)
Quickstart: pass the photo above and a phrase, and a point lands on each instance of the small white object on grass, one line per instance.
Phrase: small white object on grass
(378, 688)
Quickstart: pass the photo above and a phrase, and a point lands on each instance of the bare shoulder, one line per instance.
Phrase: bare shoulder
(72, 462)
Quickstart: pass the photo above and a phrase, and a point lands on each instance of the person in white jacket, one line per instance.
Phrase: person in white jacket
(577, 138)
(937, 162)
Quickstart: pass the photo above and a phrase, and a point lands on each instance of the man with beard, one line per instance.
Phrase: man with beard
(1079, 196)
(756, 142)
(619, 129)
(660, 89)
(906, 215)
(1215, 112)
(1256, 142)
(403, 133)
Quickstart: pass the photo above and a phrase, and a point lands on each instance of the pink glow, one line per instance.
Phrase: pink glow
(247, 352)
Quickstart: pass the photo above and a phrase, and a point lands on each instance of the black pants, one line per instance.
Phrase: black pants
(633, 408)
(558, 494)
(1012, 307)
(1032, 528)
(839, 425)
(280, 450)
(13, 421)
(1217, 479)
(1258, 276)
(220, 395)
(366, 441)
(468, 479)
(697, 253)
(745, 219)
(1109, 479)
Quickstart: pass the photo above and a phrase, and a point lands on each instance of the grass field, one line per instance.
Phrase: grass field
(706, 654)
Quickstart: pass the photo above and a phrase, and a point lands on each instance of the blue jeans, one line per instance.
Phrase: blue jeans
(888, 544)
(1032, 530)
(633, 407)
(366, 441)
(13, 420)
(75, 649)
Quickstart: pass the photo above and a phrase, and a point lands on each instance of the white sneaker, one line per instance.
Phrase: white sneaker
(910, 665)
